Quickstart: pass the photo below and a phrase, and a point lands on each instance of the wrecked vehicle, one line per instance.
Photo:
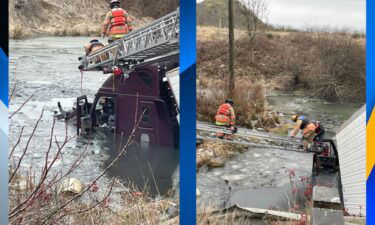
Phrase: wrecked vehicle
(140, 97)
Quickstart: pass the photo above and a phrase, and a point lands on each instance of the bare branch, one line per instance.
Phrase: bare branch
(23, 104)
(17, 143)
(12, 93)
(26, 148)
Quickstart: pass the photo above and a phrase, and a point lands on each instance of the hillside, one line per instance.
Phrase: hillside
(331, 66)
(72, 18)
(215, 13)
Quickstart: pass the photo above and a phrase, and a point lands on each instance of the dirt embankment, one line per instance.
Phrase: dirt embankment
(331, 66)
(58, 18)
(74, 18)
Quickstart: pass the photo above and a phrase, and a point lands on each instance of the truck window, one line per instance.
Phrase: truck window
(146, 118)
(146, 78)
(105, 111)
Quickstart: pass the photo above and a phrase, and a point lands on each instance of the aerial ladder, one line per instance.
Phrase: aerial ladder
(259, 139)
(154, 43)
(205, 131)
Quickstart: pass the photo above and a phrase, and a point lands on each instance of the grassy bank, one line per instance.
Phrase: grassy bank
(328, 65)
(249, 102)
(136, 207)
(51, 190)
(75, 18)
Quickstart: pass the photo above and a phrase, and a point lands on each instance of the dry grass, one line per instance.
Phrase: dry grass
(282, 130)
(58, 18)
(249, 102)
(74, 18)
(17, 32)
(206, 217)
(136, 206)
(207, 33)
(214, 153)
(36, 195)
(330, 65)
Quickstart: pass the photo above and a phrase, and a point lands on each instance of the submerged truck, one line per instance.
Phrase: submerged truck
(140, 97)
(143, 104)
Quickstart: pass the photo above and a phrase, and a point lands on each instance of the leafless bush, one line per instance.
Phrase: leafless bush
(325, 64)
(17, 31)
(35, 195)
(342, 70)
(249, 103)
(254, 11)
(155, 10)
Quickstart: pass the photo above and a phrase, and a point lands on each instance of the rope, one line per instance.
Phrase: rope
(81, 80)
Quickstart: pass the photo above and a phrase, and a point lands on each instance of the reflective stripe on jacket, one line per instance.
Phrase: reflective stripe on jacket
(225, 115)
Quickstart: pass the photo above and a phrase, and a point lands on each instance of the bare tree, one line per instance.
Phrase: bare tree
(255, 12)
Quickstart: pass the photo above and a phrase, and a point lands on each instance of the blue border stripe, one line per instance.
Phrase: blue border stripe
(4, 83)
(188, 148)
(370, 219)
(187, 34)
(188, 108)
(3, 140)
(4, 126)
(3, 177)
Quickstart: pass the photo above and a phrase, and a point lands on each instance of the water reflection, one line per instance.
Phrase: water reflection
(150, 168)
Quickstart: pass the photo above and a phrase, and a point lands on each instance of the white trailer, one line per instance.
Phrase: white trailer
(351, 146)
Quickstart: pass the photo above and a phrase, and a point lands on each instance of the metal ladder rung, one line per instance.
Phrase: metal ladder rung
(157, 39)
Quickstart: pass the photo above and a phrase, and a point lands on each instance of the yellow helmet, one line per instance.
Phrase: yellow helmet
(294, 118)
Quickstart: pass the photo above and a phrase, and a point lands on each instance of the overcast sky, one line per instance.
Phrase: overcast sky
(318, 13)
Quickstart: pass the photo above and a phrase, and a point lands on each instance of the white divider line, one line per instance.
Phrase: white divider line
(4, 118)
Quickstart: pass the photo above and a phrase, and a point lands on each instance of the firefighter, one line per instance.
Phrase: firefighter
(117, 22)
(307, 129)
(225, 117)
(319, 131)
(93, 46)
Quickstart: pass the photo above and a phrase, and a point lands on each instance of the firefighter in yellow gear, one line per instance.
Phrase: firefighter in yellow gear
(225, 117)
(307, 128)
(116, 23)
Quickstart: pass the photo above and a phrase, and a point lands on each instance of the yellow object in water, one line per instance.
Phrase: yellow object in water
(72, 185)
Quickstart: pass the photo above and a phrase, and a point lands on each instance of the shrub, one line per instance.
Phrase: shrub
(249, 103)
(17, 32)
